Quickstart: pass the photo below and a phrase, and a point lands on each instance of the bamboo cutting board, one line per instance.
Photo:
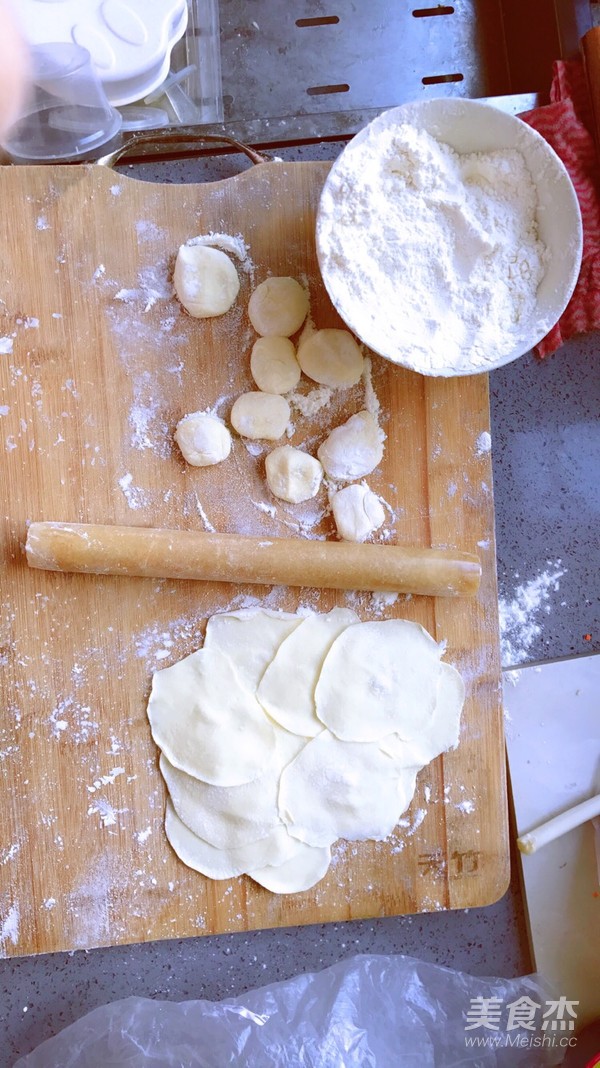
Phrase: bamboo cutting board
(97, 364)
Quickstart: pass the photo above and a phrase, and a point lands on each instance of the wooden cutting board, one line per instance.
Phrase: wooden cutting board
(97, 364)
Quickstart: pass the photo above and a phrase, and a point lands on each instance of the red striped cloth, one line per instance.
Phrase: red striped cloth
(567, 124)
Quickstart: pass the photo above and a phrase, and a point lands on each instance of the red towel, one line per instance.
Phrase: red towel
(567, 125)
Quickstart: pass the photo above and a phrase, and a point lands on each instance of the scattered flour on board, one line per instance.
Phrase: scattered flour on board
(268, 509)
(520, 624)
(308, 404)
(371, 399)
(483, 443)
(149, 430)
(107, 813)
(6, 346)
(147, 230)
(10, 926)
(231, 243)
(417, 820)
(105, 780)
(75, 717)
(381, 600)
(134, 495)
(10, 853)
(154, 285)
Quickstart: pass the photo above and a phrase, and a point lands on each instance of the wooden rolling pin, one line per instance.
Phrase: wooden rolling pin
(185, 554)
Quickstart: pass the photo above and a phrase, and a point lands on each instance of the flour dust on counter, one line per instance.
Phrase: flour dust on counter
(521, 618)
(322, 720)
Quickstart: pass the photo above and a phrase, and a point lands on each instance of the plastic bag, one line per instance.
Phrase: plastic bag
(365, 1012)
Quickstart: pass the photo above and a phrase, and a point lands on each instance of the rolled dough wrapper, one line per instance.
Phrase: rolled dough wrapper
(225, 863)
(251, 637)
(287, 687)
(208, 723)
(306, 867)
(379, 678)
(439, 733)
(336, 789)
(232, 816)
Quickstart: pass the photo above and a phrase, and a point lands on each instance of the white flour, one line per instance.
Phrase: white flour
(519, 618)
(465, 224)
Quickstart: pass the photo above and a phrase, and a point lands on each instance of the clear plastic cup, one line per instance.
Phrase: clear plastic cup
(67, 114)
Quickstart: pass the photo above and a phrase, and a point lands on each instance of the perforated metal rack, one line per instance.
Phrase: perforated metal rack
(301, 71)
(291, 58)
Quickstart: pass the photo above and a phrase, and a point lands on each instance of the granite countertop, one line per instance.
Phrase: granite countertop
(546, 455)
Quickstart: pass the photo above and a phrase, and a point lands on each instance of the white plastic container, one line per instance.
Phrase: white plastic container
(130, 41)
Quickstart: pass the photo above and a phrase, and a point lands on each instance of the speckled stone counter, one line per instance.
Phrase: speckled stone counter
(546, 457)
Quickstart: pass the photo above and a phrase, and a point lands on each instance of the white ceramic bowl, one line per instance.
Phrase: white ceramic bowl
(468, 126)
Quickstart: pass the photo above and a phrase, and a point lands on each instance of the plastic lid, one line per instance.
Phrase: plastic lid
(130, 41)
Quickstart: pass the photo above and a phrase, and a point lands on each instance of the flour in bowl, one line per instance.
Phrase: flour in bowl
(435, 255)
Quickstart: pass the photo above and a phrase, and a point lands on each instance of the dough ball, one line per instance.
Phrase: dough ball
(278, 307)
(260, 415)
(332, 358)
(357, 512)
(273, 364)
(293, 475)
(203, 439)
(206, 281)
(353, 449)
